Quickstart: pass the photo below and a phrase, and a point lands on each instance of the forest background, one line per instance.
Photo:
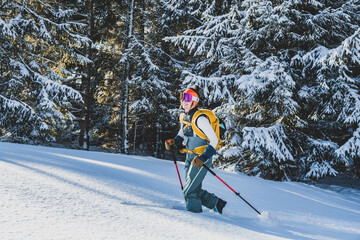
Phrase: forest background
(283, 75)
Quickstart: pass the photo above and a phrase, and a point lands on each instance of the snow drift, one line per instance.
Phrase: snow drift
(49, 193)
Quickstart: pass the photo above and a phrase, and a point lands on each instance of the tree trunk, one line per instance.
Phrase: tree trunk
(126, 107)
(127, 78)
(84, 140)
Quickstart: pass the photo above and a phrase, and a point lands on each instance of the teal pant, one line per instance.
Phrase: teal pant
(194, 195)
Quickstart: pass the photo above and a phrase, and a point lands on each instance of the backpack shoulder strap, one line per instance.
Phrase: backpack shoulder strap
(181, 119)
(182, 122)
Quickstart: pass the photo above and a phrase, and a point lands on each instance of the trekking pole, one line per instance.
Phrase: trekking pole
(177, 170)
(238, 194)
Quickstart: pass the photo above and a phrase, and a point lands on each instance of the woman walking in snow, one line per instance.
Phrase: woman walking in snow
(198, 152)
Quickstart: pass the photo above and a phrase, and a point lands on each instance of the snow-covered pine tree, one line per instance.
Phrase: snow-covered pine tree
(267, 95)
(98, 86)
(351, 151)
(268, 152)
(187, 11)
(256, 48)
(212, 47)
(216, 63)
(105, 73)
(329, 93)
(35, 36)
(337, 96)
(290, 28)
(146, 70)
(127, 64)
(321, 159)
(263, 95)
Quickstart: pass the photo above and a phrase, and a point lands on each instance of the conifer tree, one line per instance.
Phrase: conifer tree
(34, 100)
(250, 59)
(104, 75)
(336, 94)
(149, 76)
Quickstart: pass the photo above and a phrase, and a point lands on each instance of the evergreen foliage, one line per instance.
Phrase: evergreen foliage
(283, 75)
(280, 63)
(34, 102)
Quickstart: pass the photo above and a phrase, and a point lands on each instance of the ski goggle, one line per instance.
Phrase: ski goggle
(187, 97)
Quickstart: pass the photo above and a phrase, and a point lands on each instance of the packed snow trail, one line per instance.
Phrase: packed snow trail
(51, 193)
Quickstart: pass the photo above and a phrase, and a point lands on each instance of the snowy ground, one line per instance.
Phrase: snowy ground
(49, 193)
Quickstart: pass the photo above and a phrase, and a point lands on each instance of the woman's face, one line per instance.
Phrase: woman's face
(187, 106)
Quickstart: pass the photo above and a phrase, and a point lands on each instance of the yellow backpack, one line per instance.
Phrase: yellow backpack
(216, 123)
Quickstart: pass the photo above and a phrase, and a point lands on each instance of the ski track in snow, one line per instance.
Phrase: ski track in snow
(49, 193)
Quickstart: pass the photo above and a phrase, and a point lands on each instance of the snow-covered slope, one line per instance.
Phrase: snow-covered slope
(49, 193)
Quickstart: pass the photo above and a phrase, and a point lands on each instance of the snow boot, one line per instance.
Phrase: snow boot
(220, 205)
